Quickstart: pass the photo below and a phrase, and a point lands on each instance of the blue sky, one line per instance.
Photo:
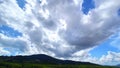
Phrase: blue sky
(8, 31)
(103, 48)
(87, 5)
(21, 3)
(34, 35)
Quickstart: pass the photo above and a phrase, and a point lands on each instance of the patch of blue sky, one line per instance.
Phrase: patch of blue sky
(87, 6)
(119, 12)
(13, 52)
(10, 32)
(21, 3)
(103, 49)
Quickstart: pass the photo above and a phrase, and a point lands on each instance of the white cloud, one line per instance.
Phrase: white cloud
(4, 52)
(84, 56)
(13, 43)
(111, 57)
(59, 27)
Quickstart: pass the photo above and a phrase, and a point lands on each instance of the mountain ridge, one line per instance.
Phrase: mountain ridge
(41, 59)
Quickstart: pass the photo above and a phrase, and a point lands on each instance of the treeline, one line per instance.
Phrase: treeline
(30, 65)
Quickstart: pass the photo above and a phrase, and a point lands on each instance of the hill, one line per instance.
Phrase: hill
(118, 65)
(39, 58)
(43, 61)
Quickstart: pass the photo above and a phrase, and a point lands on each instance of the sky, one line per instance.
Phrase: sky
(80, 30)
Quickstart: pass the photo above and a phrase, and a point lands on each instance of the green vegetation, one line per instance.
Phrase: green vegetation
(36, 65)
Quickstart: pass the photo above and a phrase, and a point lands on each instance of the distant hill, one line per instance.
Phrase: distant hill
(118, 65)
(41, 59)
(44, 61)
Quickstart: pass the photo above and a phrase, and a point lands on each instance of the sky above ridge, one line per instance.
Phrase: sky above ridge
(81, 30)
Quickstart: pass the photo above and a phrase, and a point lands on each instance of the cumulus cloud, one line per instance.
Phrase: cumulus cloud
(11, 43)
(111, 57)
(4, 52)
(58, 27)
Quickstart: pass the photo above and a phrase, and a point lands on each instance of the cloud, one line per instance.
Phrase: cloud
(58, 27)
(13, 43)
(111, 57)
(4, 52)
(90, 30)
